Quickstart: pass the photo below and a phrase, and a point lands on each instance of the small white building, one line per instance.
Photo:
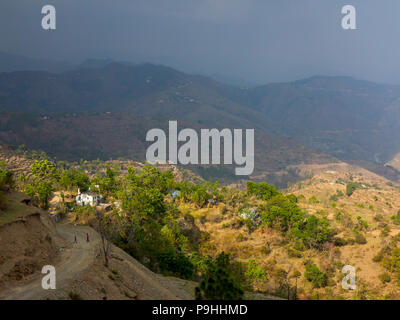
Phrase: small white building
(250, 214)
(88, 198)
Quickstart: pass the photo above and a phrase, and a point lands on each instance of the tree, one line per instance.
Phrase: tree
(283, 277)
(351, 187)
(296, 275)
(44, 174)
(44, 189)
(105, 229)
(6, 179)
(41, 191)
(177, 263)
(262, 190)
(108, 184)
(218, 282)
(44, 170)
(74, 178)
(254, 271)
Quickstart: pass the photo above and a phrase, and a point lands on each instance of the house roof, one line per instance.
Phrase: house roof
(90, 193)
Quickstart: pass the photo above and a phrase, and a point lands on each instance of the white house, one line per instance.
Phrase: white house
(88, 198)
(250, 214)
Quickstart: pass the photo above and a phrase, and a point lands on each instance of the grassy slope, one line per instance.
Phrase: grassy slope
(226, 234)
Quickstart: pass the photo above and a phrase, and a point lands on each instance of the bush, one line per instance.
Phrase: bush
(360, 238)
(176, 263)
(396, 218)
(254, 271)
(266, 250)
(218, 281)
(351, 187)
(280, 213)
(339, 242)
(335, 197)
(313, 274)
(392, 263)
(385, 277)
(294, 253)
(6, 179)
(263, 190)
(381, 254)
(74, 296)
(313, 200)
(362, 223)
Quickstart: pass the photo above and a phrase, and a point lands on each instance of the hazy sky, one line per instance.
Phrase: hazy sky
(257, 40)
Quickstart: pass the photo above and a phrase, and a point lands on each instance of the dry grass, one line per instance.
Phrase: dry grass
(227, 235)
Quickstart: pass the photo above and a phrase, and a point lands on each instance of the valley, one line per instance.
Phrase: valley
(355, 211)
(104, 111)
(324, 193)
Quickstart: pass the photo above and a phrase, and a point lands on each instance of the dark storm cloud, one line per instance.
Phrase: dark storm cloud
(261, 41)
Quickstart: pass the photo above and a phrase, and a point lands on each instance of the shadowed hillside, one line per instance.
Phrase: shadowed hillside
(105, 112)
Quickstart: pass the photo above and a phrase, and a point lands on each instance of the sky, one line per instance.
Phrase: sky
(260, 41)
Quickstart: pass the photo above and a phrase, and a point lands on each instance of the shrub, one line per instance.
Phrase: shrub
(284, 215)
(6, 178)
(218, 281)
(74, 295)
(313, 200)
(385, 277)
(240, 237)
(351, 187)
(385, 231)
(266, 250)
(254, 271)
(176, 263)
(262, 190)
(362, 223)
(339, 242)
(396, 218)
(360, 238)
(294, 253)
(392, 263)
(313, 274)
(335, 197)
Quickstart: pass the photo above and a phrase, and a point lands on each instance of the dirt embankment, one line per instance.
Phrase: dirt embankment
(27, 244)
(33, 241)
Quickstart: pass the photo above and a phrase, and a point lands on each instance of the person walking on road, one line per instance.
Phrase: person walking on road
(87, 237)
(75, 240)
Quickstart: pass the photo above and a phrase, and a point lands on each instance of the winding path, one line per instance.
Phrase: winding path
(78, 257)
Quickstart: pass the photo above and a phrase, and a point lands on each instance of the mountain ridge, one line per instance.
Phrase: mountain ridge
(352, 120)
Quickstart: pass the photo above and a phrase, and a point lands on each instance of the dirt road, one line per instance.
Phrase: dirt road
(81, 261)
(73, 259)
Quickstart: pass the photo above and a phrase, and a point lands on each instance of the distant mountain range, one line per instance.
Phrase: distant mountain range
(103, 109)
(14, 62)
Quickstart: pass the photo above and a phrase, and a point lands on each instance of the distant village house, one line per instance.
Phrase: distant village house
(88, 198)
